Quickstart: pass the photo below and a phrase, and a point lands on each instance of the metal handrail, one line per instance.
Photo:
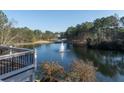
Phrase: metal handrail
(21, 59)
(15, 54)
(10, 47)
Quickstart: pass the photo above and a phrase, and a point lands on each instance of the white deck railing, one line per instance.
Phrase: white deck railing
(12, 59)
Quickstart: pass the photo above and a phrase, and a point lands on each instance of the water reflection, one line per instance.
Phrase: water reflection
(62, 55)
(109, 64)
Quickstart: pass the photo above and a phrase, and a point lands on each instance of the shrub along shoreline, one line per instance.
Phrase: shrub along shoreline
(113, 45)
(80, 71)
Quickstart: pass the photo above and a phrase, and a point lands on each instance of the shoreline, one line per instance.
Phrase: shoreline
(33, 43)
(115, 45)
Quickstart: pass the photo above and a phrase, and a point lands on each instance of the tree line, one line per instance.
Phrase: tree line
(108, 28)
(10, 34)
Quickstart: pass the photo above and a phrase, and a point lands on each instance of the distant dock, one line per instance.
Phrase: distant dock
(60, 40)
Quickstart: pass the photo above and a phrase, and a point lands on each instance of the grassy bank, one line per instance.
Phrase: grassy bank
(33, 43)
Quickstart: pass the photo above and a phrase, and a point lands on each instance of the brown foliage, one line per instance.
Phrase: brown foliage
(80, 71)
(52, 71)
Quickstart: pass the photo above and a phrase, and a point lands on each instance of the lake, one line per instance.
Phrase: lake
(109, 64)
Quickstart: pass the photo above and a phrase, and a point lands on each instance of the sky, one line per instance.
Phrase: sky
(55, 20)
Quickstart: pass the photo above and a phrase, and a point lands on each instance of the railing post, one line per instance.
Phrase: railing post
(35, 59)
(10, 50)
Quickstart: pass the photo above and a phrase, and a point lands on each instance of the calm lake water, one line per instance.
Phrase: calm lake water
(110, 64)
